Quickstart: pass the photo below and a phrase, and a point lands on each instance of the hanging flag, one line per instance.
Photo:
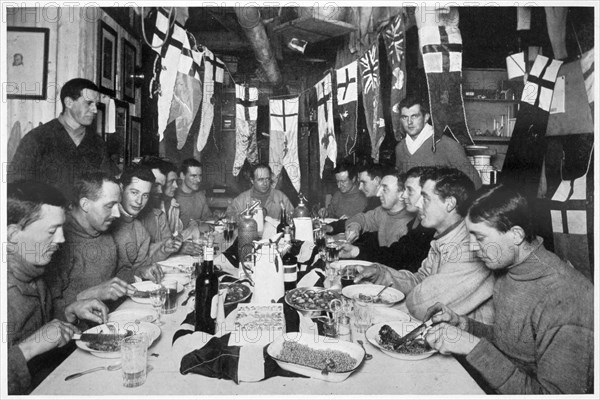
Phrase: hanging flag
(213, 74)
(393, 36)
(369, 72)
(441, 46)
(187, 92)
(246, 112)
(525, 155)
(587, 68)
(283, 143)
(347, 103)
(169, 48)
(327, 143)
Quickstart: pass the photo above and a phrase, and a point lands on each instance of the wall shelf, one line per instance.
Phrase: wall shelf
(473, 99)
(488, 139)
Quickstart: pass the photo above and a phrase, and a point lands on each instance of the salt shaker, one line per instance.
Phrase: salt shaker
(344, 328)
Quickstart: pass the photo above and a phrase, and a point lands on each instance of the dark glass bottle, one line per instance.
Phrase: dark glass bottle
(282, 219)
(290, 271)
(207, 286)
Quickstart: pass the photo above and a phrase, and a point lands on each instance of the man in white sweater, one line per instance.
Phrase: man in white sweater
(452, 273)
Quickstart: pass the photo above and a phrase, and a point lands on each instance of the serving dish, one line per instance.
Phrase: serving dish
(318, 344)
(311, 298)
(388, 298)
(402, 328)
(151, 330)
(132, 315)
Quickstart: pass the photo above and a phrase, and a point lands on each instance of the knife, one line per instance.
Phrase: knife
(415, 333)
(101, 337)
(141, 294)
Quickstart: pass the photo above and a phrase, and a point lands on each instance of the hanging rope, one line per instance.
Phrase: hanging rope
(172, 12)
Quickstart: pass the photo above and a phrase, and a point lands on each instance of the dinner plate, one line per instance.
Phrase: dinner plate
(146, 286)
(171, 264)
(402, 328)
(150, 329)
(183, 279)
(132, 315)
(383, 314)
(345, 263)
(329, 220)
(389, 297)
(313, 293)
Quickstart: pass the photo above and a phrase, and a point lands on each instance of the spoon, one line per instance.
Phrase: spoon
(329, 364)
(378, 295)
(367, 355)
(190, 295)
(113, 367)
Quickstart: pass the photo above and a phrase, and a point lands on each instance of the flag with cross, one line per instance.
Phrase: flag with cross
(283, 143)
(246, 112)
(327, 143)
(213, 75)
(369, 72)
(393, 36)
(527, 147)
(347, 103)
(441, 45)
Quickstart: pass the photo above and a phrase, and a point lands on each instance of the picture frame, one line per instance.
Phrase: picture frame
(128, 66)
(27, 62)
(135, 124)
(118, 142)
(107, 59)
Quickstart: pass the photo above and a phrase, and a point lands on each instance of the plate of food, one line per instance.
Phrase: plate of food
(143, 289)
(388, 298)
(177, 264)
(237, 292)
(311, 298)
(385, 336)
(132, 315)
(104, 340)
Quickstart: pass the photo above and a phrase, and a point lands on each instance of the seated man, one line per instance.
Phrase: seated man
(347, 201)
(369, 179)
(452, 273)
(389, 220)
(410, 250)
(269, 197)
(35, 215)
(193, 205)
(542, 338)
(154, 217)
(132, 239)
(86, 265)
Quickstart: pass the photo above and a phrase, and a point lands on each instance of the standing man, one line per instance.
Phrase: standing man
(35, 217)
(86, 266)
(59, 151)
(132, 239)
(452, 273)
(261, 190)
(389, 220)
(348, 200)
(193, 205)
(415, 150)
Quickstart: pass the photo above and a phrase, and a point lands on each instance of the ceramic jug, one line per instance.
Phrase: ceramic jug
(265, 272)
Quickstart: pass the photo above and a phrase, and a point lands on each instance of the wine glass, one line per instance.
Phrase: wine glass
(158, 297)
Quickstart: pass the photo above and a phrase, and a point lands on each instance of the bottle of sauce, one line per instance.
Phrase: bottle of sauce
(283, 223)
(207, 286)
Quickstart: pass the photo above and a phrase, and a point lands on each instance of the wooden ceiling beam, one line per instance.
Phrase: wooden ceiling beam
(221, 41)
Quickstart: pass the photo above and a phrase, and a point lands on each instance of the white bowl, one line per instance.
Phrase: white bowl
(402, 328)
(317, 343)
(389, 297)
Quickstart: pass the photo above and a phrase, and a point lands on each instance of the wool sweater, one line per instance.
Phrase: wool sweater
(83, 261)
(542, 339)
(451, 274)
(348, 204)
(192, 206)
(448, 153)
(271, 205)
(157, 226)
(389, 226)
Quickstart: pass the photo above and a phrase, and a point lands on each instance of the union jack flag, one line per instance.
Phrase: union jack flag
(394, 36)
(369, 65)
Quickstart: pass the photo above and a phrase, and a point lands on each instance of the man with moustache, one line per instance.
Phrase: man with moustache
(86, 266)
(452, 273)
(35, 332)
(59, 151)
(193, 205)
(132, 239)
(347, 201)
(410, 250)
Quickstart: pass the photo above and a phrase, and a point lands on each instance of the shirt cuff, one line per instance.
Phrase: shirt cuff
(491, 363)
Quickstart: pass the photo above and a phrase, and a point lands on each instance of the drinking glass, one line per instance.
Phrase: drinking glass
(321, 242)
(170, 305)
(363, 314)
(348, 275)
(158, 297)
(333, 252)
(134, 358)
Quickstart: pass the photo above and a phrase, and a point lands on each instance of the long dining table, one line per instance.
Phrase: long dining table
(382, 375)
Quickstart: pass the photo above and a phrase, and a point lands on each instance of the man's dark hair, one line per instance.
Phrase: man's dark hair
(89, 185)
(410, 101)
(162, 164)
(373, 170)
(502, 207)
(346, 166)
(450, 182)
(418, 172)
(73, 89)
(187, 163)
(136, 171)
(25, 201)
(259, 166)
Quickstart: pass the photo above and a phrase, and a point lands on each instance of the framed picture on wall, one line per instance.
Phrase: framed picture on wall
(136, 136)
(27, 62)
(107, 59)
(118, 142)
(128, 71)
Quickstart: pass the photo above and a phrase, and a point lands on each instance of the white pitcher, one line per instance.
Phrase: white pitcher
(266, 273)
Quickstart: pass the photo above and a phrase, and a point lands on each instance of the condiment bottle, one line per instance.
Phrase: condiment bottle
(207, 286)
